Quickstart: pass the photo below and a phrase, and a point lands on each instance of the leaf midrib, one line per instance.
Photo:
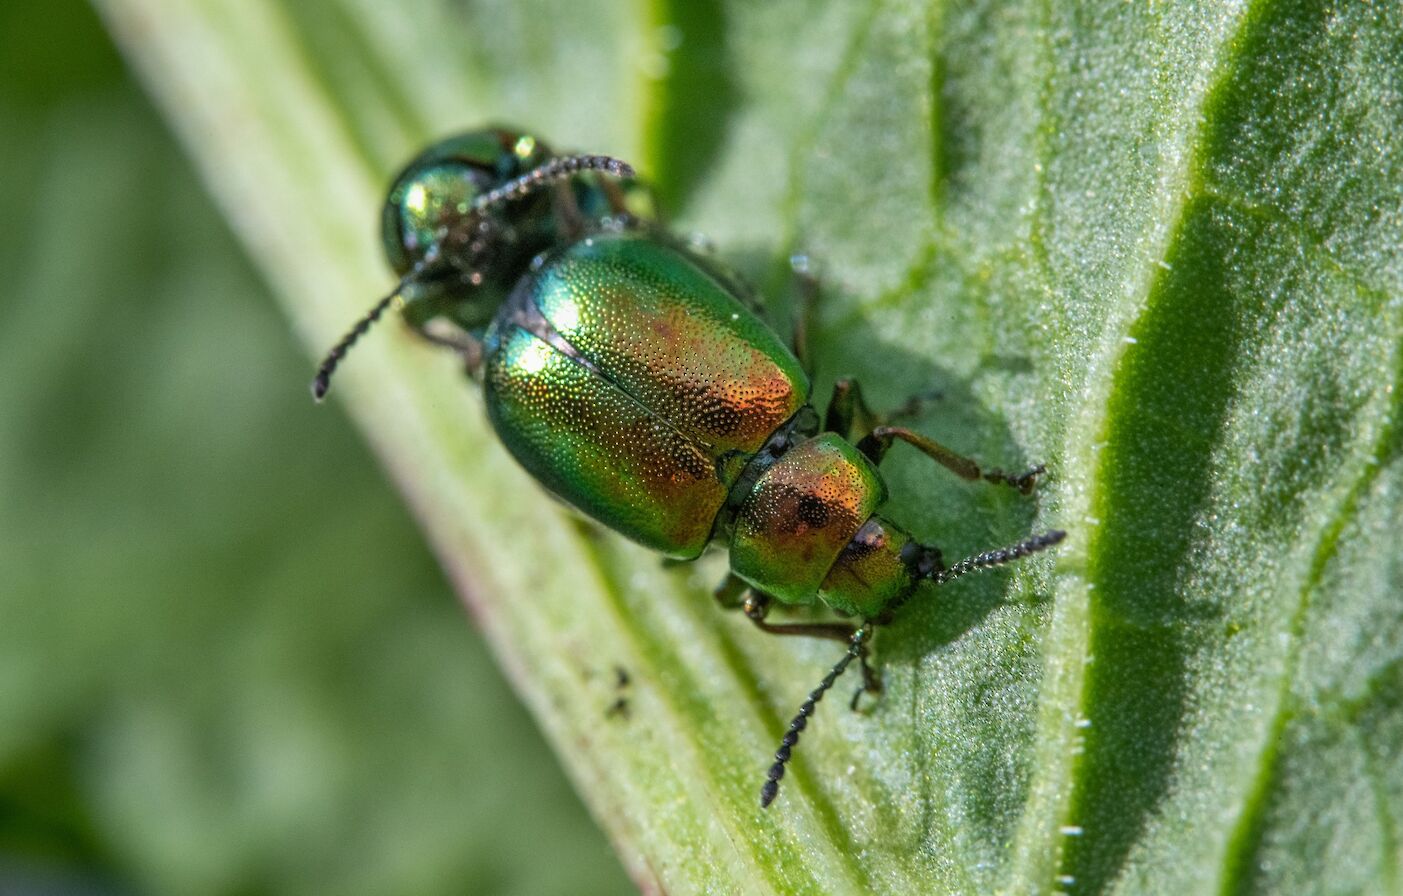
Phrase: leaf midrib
(1071, 631)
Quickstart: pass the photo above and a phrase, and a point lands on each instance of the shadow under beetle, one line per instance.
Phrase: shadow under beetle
(631, 376)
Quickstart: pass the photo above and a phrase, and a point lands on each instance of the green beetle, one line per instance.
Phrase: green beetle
(634, 378)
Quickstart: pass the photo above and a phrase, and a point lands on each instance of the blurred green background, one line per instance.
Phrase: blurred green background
(211, 680)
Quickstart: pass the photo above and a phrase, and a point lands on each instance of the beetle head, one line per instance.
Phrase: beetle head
(460, 226)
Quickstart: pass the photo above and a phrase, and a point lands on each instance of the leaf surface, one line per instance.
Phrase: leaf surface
(1155, 246)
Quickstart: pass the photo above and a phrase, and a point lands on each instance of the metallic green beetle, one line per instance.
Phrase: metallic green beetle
(632, 376)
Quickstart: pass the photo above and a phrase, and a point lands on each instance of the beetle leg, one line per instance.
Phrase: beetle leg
(876, 443)
(806, 294)
(570, 221)
(730, 594)
(757, 605)
(465, 345)
(618, 203)
(848, 414)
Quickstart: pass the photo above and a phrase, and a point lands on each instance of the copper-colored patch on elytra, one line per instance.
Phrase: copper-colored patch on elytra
(662, 330)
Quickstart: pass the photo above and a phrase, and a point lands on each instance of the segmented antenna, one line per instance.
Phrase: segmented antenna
(791, 737)
(998, 557)
(322, 381)
(549, 173)
(940, 575)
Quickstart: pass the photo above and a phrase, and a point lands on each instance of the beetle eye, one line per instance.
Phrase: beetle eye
(423, 207)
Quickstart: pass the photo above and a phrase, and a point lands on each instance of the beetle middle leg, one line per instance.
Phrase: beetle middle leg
(734, 593)
(618, 201)
(849, 415)
(806, 291)
(570, 220)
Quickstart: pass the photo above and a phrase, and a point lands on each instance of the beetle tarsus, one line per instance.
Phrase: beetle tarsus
(857, 696)
(1024, 481)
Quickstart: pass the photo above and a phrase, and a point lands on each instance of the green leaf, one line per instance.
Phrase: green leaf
(1156, 246)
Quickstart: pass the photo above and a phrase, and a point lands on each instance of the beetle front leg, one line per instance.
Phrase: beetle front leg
(876, 443)
(618, 203)
(734, 593)
(849, 416)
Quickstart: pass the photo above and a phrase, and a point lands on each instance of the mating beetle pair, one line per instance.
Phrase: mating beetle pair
(630, 375)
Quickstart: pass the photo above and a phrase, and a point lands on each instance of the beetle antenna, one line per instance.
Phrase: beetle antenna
(547, 174)
(856, 646)
(528, 183)
(322, 381)
(927, 564)
(997, 557)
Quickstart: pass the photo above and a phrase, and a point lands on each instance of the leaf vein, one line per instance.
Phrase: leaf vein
(1073, 631)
